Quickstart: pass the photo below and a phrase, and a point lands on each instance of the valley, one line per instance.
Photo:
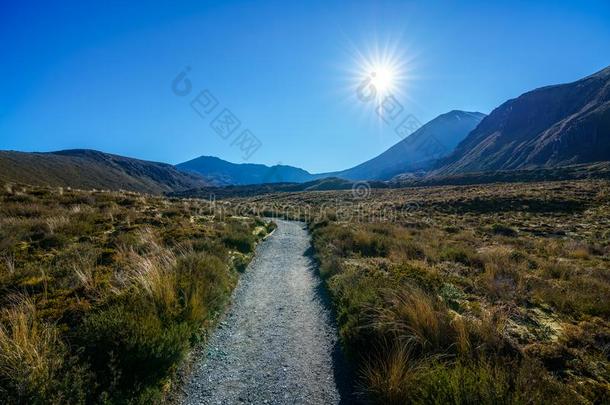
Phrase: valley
(430, 294)
(265, 202)
(465, 293)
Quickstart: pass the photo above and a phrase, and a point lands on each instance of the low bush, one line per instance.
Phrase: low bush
(500, 229)
(117, 293)
(239, 237)
(486, 382)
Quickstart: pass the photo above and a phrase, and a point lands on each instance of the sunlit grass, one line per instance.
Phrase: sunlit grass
(475, 294)
(115, 287)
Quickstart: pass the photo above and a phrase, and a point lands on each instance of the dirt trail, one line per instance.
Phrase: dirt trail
(278, 343)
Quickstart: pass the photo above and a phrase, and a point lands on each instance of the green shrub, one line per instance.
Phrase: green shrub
(240, 262)
(460, 255)
(487, 382)
(239, 237)
(500, 229)
(130, 349)
(137, 341)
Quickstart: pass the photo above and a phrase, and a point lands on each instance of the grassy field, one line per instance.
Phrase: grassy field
(103, 293)
(494, 294)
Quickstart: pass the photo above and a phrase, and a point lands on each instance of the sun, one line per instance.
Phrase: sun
(383, 78)
(377, 80)
(380, 73)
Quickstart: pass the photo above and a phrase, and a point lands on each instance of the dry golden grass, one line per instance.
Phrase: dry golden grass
(118, 285)
(30, 350)
(151, 273)
(417, 318)
(497, 279)
(504, 273)
(389, 372)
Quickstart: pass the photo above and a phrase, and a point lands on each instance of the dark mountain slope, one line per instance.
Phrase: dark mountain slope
(88, 169)
(551, 126)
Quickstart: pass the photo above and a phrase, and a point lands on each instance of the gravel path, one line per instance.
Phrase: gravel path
(278, 343)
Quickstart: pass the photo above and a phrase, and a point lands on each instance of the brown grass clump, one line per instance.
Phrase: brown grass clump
(503, 273)
(389, 373)
(30, 350)
(417, 318)
(151, 273)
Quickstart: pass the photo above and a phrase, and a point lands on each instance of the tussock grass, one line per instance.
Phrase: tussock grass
(30, 350)
(151, 273)
(417, 318)
(503, 273)
(115, 289)
(476, 294)
(390, 372)
(8, 260)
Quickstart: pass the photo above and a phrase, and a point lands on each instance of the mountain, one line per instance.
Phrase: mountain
(433, 140)
(418, 151)
(222, 172)
(548, 127)
(86, 169)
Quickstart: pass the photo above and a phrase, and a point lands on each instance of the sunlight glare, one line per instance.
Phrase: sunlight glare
(380, 72)
(383, 78)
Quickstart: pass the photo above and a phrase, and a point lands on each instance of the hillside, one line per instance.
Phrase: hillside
(435, 139)
(598, 170)
(87, 169)
(551, 126)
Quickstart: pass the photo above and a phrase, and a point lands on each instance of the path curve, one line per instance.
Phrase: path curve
(278, 343)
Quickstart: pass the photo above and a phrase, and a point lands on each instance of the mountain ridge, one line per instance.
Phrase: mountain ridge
(433, 140)
(87, 169)
(442, 133)
(223, 172)
(550, 126)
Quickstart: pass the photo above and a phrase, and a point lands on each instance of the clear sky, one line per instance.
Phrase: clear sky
(77, 75)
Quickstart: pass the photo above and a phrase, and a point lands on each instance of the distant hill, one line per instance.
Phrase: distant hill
(548, 127)
(222, 172)
(572, 172)
(86, 169)
(325, 184)
(435, 139)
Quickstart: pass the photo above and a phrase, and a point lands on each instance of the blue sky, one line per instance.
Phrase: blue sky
(100, 76)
